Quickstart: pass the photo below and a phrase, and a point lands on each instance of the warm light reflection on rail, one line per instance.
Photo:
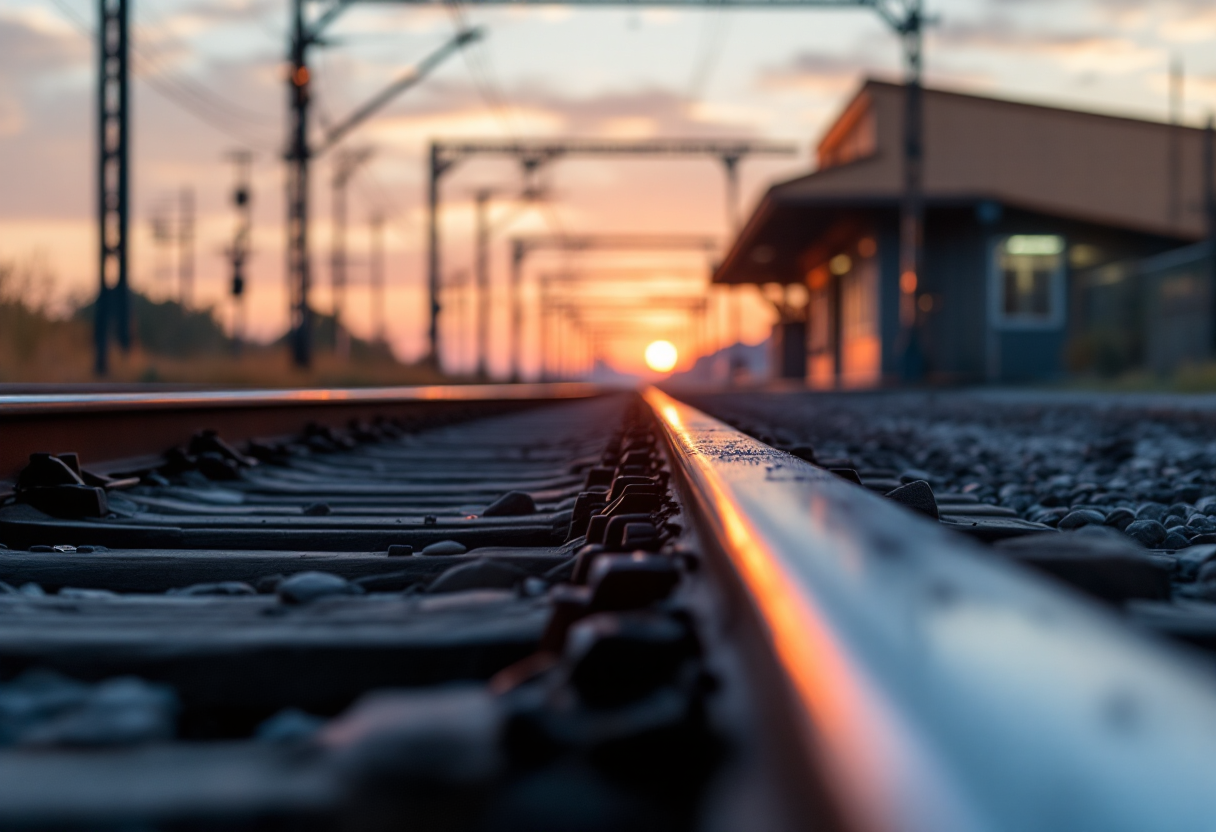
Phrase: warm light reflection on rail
(20, 404)
(835, 700)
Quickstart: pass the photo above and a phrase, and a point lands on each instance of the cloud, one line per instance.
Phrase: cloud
(12, 114)
(31, 42)
(818, 73)
(454, 109)
(1076, 50)
(232, 11)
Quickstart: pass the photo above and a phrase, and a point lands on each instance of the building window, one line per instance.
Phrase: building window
(1029, 281)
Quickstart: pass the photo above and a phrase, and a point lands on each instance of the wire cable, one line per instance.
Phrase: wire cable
(482, 73)
(711, 41)
(147, 48)
(169, 90)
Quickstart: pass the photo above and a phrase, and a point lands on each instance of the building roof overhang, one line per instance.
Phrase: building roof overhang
(790, 234)
(798, 217)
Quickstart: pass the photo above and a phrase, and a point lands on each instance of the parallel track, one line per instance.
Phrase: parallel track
(546, 607)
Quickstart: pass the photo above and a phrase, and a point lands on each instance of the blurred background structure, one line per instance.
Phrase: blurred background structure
(1056, 241)
(956, 235)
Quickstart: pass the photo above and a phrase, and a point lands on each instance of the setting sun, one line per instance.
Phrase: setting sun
(661, 356)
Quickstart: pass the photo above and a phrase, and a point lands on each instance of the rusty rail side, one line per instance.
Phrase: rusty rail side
(113, 426)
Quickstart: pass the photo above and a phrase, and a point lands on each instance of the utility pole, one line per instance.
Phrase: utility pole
(162, 241)
(299, 152)
(733, 293)
(437, 169)
(185, 247)
(455, 286)
(297, 188)
(1209, 206)
(518, 252)
(113, 182)
(1174, 160)
(543, 326)
(482, 266)
(376, 277)
(912, 209)
(346, 162)
(242, 238)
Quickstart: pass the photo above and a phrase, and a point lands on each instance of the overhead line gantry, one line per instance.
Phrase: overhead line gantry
(521, 247)
(535, 154)
(304, 35)
(906, 18)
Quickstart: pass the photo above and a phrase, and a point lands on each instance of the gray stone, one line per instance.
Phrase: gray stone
(440, 735)
(1149, 533)
(445, 547)
(1084, 517)
(1200, 524)
(1098, 560)
(1180, 509)
(482, 573)
(85, 594)
(1120, 518)
(289, 725)
(44, 709)
(309, 586)
(1175, 540)
(1150, 511)
(511, 504)
(229, 588)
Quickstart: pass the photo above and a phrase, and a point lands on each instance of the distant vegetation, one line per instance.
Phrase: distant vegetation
(40, 343)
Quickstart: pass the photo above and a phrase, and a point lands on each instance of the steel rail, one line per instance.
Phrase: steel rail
(114, 426)
(936, 687)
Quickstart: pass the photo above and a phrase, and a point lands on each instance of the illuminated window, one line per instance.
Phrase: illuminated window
(1029, 281)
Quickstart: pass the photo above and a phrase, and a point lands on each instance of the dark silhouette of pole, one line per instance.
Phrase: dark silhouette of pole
(912, 208)
(346, 162)
(299, 153)
(482, 265)
(376, 277)
(733, 293)
(518, 252)
(113, 179)
(1209, 206)
(238, 253)
(298, 277)
(543, 326)
(1174, 158)
(438, 166)
(185, 247)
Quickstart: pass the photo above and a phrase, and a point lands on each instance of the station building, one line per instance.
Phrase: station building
(1032, 217)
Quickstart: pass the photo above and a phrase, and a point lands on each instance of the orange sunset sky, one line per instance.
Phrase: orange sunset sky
(209, 79)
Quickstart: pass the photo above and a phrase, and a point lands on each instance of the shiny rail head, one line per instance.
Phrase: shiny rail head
(943, 689)
(23, 404)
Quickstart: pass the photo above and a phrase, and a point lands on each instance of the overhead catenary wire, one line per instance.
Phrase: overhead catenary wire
(485, 82)
(711, 40)
(151, 51)
(210, 112)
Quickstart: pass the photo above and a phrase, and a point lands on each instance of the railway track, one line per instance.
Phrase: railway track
(554, 608)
